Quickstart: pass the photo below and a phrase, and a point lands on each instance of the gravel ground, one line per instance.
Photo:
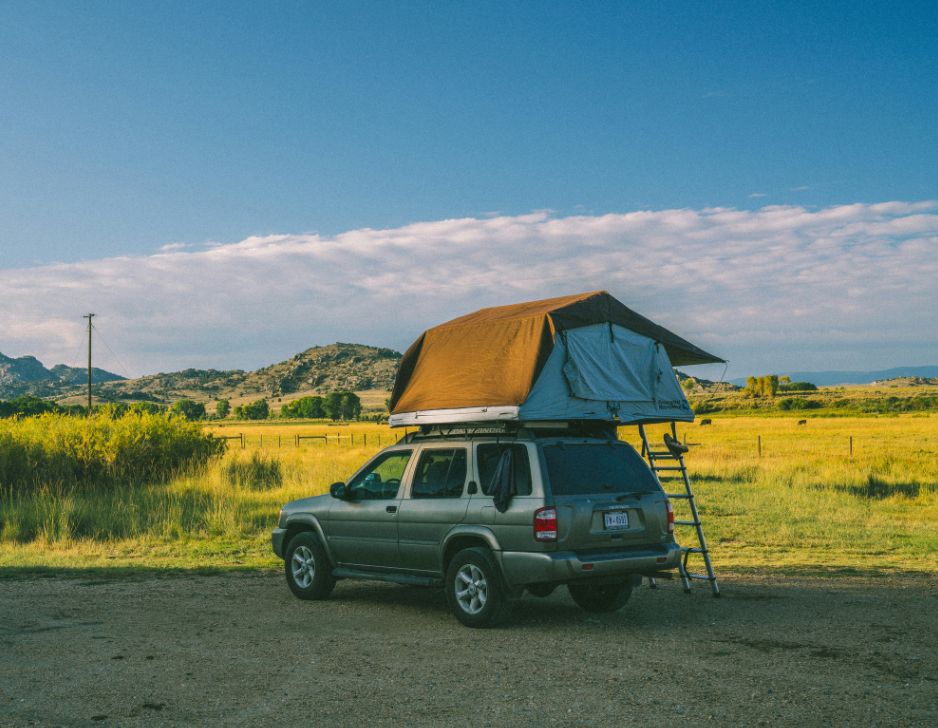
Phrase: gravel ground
(79, 649)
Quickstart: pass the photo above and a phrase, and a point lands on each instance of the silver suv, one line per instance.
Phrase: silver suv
(488, 515)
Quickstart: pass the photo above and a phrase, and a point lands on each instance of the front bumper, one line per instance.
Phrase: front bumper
(276, 539)
(521, 567)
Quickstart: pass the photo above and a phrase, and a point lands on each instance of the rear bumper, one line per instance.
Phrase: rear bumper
(276, 539)
(520, 567)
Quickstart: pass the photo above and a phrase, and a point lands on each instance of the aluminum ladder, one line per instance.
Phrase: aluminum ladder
(673, 452)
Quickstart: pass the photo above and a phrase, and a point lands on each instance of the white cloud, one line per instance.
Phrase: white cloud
(851, 286)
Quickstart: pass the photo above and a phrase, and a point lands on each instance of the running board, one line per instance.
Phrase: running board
(409, 579)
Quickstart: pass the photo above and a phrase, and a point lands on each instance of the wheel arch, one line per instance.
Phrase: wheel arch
(466, 537)
(306, 522)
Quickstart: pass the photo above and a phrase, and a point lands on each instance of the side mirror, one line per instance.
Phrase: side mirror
(473, 488)
(337, 490)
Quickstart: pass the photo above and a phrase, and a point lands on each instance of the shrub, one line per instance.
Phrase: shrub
(189, 409)
(256, 473)
(99, 451)
(257, 410)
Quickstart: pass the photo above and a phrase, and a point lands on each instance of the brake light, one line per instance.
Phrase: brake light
(545, 524)
(670, 516)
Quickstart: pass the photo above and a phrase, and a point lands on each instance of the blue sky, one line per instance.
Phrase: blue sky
(127, 127)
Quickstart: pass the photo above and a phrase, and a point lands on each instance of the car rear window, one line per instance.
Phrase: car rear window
(594, 469)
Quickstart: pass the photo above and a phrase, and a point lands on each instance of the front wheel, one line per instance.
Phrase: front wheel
(474, 590)
(600, 597)
(309, 573)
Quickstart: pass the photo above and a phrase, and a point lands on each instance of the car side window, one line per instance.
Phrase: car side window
(488, 457)
(440, 474)
(381, 479)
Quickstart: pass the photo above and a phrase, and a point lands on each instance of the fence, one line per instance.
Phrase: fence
(363, 439)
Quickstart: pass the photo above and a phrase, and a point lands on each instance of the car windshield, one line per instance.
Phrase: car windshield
(593, 469)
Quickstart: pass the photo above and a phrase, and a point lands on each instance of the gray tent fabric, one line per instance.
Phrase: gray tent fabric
(607, 373)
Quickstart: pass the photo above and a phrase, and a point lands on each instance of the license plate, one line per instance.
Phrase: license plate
(616, 519)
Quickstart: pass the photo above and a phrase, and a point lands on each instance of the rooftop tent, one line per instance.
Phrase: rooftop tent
(582, 357)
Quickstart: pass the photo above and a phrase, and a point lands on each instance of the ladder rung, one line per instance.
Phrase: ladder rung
(687, 523)
(667, 467)
(701, 577)
(679, 495)
(664, 455)
(695, 550)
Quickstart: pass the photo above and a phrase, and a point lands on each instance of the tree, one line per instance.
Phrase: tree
(333, 406)
(222, 408)
(188, 409)
(311, 408)
(351, 406)
(149, 408)
(257, 410)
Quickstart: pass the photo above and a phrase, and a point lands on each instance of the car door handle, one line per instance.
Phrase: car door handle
(391, 509)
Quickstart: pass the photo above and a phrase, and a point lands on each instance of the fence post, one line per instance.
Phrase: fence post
(365, 436)
(759, 441)
(851, 446)
(278, 442)
(242, 439)
(262, 440)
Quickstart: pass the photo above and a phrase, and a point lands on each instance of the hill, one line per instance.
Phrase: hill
(319, 369)
(26, 375)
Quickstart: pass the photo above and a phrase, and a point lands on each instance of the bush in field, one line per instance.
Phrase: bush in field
(188, 409)
(311, 408)
(257, 410)
(222, 408)
(136, 449)
(255, 473)
(342, 406)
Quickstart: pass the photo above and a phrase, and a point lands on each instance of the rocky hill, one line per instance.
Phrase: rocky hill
(26, 375)
(339, 366)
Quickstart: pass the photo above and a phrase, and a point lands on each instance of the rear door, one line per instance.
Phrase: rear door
(435, 502)
(605, 494)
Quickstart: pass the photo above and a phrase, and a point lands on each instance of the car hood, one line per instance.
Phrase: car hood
(316, 504)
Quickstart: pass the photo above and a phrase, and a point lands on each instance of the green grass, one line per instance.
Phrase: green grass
(804, 504)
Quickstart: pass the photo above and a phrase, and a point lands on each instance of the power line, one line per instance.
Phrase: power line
(120, 361)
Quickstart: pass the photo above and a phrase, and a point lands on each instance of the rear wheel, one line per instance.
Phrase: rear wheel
(600, 597)
(309, 573)
(474, 589)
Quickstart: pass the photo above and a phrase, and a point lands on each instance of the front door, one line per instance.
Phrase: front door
(435, 502)
(362, 529)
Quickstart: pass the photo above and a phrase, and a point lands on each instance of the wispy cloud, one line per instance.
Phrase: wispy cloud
(782, 286)
(756, 195)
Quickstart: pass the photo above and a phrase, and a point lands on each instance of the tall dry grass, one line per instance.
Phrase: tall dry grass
(804, 503)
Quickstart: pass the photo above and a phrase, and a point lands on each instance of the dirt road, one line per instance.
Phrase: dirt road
(80, 649)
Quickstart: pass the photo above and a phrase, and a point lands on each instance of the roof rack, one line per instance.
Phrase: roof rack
(519, 430)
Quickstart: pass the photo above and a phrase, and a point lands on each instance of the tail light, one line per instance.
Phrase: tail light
(670, 516)
(545, 524)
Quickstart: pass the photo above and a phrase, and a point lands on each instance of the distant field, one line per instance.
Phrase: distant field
(805, 503)
(844, 401)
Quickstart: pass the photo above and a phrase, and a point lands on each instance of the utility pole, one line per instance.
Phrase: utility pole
(89, 317)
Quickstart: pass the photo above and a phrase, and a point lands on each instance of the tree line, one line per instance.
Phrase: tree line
(771, 384)
(334, 406)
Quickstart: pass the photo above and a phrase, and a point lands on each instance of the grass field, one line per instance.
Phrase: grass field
(803, 504)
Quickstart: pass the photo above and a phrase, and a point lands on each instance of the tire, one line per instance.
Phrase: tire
(541, 590)
(599, 598)
(308, 571)
(474, 589)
